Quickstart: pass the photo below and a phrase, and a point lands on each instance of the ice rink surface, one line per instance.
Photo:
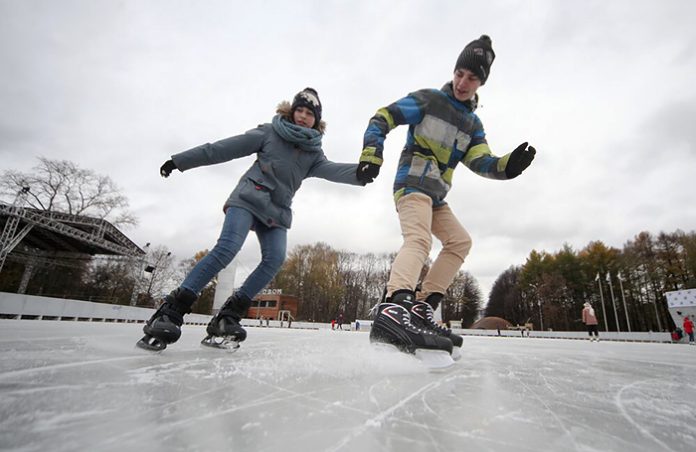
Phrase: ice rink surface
(79, 386)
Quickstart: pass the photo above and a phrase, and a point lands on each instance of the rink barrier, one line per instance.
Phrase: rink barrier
(19, 306)
(32, 307)
(577, 335)
(348, 326)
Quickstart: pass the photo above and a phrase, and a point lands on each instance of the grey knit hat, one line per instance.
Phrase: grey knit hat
(477, 57)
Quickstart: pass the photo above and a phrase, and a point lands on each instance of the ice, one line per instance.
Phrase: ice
(67, 386)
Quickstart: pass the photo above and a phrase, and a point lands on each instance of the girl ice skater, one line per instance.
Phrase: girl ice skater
(288, 151)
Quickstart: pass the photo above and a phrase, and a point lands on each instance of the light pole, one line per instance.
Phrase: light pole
(647, 294)
(541, 314)
(139, 276)
(151, 269)
(613, 302)
(657, 316)
(601, 297)
(623, 297)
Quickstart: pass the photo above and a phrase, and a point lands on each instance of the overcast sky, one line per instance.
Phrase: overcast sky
(603, 89)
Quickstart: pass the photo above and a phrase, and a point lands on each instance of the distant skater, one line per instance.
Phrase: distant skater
(590, 321)
(689, 329)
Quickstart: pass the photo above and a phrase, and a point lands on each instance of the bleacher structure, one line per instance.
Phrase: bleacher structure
(46, 237)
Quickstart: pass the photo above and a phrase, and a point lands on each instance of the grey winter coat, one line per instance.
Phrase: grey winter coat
(267, 188)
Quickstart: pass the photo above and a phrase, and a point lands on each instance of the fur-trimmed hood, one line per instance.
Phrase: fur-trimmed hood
(284, 108)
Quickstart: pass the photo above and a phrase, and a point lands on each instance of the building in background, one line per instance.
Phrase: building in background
(272, 304)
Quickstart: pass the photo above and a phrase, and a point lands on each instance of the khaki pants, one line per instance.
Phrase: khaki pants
(419, 222)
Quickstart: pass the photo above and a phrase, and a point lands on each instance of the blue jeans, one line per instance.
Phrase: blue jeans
(238, 223)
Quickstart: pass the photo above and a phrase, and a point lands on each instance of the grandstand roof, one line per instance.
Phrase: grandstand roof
(57, 232)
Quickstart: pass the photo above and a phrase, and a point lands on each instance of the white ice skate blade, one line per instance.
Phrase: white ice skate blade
(456, 353)
(432, 359)
(384, 347)
(223, 343)
(151, 344)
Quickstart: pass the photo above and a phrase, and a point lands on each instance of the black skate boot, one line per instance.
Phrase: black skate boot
(422, 317)
(392, 326)
(164, 327)
(224, 330)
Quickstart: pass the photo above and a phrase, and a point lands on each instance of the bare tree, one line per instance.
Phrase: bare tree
(160, 266)
(62, 186)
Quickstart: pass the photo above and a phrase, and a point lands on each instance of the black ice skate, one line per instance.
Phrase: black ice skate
(224, 330)
(164, 327)
(393, 327)
(422, 317)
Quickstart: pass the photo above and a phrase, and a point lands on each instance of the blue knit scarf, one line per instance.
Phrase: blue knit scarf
(307, 139)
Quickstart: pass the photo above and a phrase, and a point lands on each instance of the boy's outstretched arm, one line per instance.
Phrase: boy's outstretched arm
(408, 110)
(481, 161)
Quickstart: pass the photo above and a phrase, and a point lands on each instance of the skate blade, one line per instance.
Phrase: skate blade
(434, 359)
(222, 343)
(151, 344)
(384, 347)
(456, 353)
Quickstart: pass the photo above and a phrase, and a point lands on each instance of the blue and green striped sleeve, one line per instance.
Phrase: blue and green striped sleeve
(479, 158)
(408, 110)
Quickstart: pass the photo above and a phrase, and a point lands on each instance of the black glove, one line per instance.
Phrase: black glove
(367, 171)
(519, 160)
(167, 168)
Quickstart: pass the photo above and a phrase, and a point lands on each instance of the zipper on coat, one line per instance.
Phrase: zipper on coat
(425, 171)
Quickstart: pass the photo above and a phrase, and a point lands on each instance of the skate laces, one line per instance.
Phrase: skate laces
(169, 309)
(405, 317)
(431, 323)
(228, 314)
(374, 310)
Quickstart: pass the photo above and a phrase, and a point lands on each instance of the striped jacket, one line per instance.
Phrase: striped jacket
(442, 132)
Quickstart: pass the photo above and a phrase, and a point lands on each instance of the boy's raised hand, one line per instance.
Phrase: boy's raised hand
(519, 160)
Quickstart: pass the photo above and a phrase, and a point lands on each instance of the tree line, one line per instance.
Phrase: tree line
(327, 282)
(625, 286)
(330, 282)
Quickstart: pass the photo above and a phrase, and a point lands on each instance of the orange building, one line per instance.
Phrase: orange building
(269, 306)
